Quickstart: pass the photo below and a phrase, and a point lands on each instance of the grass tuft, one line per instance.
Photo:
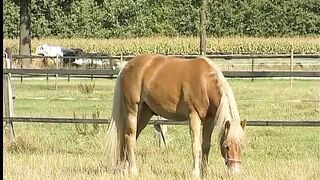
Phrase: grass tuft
(86, 88)
(24, 143)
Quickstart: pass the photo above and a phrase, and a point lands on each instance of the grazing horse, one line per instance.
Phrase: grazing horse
(178, 89)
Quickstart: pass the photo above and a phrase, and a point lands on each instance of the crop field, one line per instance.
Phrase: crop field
(181, 45)
(69, 151)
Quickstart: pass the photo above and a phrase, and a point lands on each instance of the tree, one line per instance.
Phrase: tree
(203, 25)
(25, 25)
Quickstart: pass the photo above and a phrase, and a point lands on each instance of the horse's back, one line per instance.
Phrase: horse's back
(154, 64)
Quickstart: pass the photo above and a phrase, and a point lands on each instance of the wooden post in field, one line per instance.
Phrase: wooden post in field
(69, 68)
(46, 60)
(8, 101)
(57, 67)
(291, 66)
(91, 65)
(252, 68)
(21, 76)
(160, 134)
(111, 62)
(203, 25)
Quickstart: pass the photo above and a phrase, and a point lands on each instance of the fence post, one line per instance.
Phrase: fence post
(90, 67)
(291, 66)
(46, 60)
(21, 68)
(160, 134)
(57, 67)
(111, 61)
(8, 101)
(69, 63)
(252, 68)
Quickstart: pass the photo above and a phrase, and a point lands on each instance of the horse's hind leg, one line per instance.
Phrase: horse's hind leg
(130, 138)
(145, 113)
(207, 129)
(195, 130)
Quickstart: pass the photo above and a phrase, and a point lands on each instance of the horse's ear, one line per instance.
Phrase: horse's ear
(243, 123)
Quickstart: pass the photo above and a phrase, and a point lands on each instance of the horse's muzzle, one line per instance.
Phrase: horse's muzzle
(233, 165)
(234, 169)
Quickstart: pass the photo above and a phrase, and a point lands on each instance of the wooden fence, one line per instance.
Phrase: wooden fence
(8, 102)
(108, 73)
(113, 73)
(160, 121)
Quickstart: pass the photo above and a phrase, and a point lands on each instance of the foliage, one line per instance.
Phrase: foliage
(137, 18)
(86, 88)
(83, 129)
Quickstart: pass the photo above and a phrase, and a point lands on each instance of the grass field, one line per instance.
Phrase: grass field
(260, 99)
(66, 151)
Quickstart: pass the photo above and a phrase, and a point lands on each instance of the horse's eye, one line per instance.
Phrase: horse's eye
(227, 147)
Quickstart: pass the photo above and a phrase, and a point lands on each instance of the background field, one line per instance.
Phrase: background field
(181, 45)
(59, 151)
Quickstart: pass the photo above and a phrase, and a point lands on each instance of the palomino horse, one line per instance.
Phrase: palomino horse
(178, 89)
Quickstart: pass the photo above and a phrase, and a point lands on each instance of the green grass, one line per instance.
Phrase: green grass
(250, 98)
(58, 151)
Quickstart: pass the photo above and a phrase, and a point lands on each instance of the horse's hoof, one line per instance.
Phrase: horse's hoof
(196, 174)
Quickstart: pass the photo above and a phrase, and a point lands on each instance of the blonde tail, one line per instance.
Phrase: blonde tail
(115, 133)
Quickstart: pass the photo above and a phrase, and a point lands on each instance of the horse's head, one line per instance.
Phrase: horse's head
(231, 144)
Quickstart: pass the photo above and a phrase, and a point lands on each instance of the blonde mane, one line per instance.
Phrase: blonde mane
(227, 110)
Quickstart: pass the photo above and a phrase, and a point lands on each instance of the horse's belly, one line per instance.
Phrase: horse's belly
(169, 110)
(169, 114)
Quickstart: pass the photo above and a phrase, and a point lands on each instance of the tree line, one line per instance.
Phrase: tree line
(145, 18)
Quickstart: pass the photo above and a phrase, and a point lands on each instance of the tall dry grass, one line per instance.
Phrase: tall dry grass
(271, 153)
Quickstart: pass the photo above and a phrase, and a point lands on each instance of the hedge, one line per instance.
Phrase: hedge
(147, 18)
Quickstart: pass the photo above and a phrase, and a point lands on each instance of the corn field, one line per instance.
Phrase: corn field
(181, 45)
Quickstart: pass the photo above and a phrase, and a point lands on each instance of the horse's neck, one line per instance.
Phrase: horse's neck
(227, 109)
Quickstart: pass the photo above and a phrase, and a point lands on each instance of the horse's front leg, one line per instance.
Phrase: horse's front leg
(207, 129)
(195, 131)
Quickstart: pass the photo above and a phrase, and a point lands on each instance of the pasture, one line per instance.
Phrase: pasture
(67, 151)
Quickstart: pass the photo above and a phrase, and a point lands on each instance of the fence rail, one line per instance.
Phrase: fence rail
(109, 73)
(113, 73)
(160, 121)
